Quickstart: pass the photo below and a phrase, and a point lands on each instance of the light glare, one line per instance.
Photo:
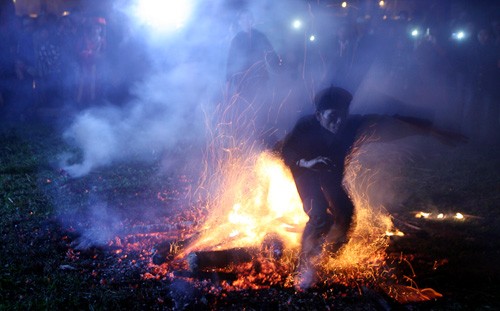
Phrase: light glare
(459, 35)
(422, 215)
(163, 15)
(297, 24)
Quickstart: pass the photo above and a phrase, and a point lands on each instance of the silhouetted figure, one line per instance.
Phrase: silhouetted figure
(69, 34)
(250, 55)
(26, 70)
(485, 105)
(48, 61)
(430, 86)
(250, 58)
(91, 52)
(340, 55)
(460, 54)
(7, 53)
(367, 50)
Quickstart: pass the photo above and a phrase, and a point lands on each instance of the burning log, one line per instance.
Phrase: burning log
(206, 260)
(272, 247)
(406, 294)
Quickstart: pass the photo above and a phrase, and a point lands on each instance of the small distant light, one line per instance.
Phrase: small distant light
(384, 17)
(422, 215)
(65, 13)
(415, 33)
(344, 4)
(33, 15)
(381, 3)
(459, 216)
(297, 24)
(312, 38)
(440, 216)
(460, 35)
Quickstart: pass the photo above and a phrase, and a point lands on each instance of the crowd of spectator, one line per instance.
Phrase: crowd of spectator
(50, 60)
(451, 67)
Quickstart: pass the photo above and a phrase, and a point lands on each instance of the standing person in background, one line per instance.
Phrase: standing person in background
(25, 66)
(250, 57)
(48, 61)
(7, 53)
(69, 35)
(485, 106)
(91, 50)
(341, 57)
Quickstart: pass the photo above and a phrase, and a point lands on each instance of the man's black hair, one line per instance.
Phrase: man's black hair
(332, 98)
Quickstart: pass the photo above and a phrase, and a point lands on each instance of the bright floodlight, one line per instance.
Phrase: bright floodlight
(312, 38)
(297, 24)
(344, 4)
(460, 35)
(163, 15)
(381, 3)
(414, 33)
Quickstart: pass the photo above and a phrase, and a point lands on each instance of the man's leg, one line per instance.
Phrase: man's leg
(320, 221)
(342, 209)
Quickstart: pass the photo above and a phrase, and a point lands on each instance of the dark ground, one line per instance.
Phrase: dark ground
(45, 215)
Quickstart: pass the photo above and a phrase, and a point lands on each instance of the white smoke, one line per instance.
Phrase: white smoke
(183, 80)
(164, 115)
(103, 225)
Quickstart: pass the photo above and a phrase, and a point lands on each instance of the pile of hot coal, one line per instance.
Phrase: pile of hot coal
(240, 267)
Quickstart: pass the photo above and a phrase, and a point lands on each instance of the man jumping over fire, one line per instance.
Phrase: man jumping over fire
(316, 151)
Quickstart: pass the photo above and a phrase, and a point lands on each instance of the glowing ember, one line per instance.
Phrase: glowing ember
(440, 216)
(422, 215)
(394, 233)
(459, 216)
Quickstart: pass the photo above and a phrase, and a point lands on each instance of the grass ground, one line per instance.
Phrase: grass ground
(43, 213)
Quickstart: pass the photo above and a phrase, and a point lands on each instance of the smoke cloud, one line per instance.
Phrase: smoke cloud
(176, 83)
(159, 119)
(182, 80)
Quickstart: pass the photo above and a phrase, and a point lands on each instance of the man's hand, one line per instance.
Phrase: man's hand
(316, 163)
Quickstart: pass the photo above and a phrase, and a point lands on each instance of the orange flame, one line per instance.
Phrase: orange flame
(258, 198)
(368, 236)
(250, 194)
